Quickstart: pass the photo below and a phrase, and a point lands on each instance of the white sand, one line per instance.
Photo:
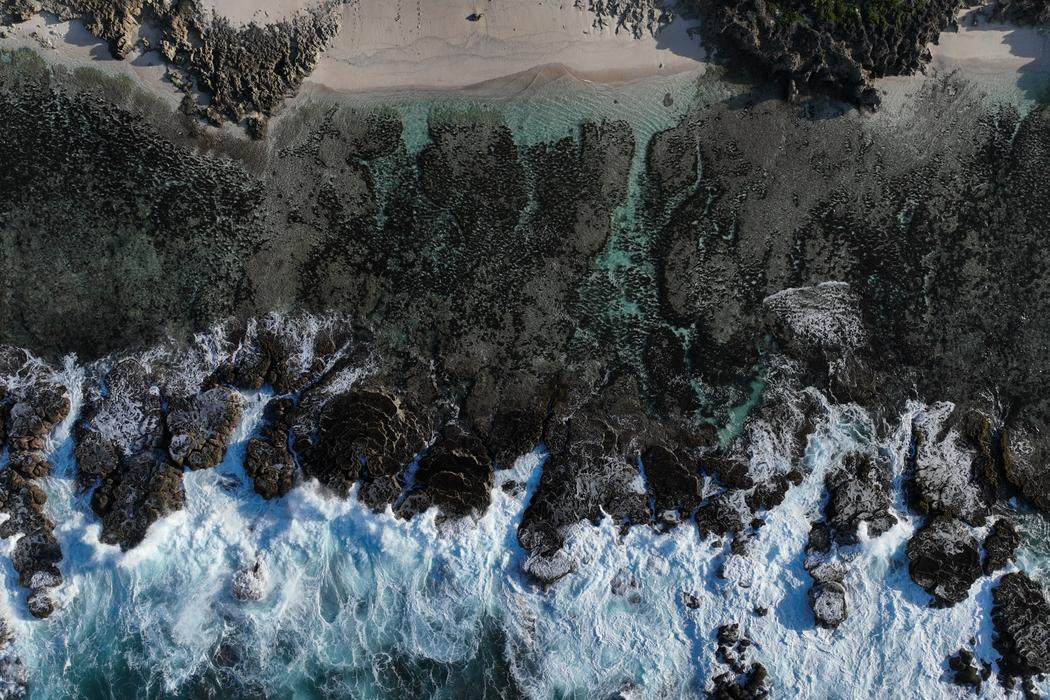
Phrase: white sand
(991, 48)
(430, 44)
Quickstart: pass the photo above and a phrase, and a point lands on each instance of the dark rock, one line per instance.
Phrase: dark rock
(827, 599)
(268, 459)
(719, 516)
(201, 427)
(690, 600)
(32, 419)
(858, 492)
(732, 472)
(455, 474)
(942, 479)
(366, 435)
(673, 481)
(1000, 544)
(1021, 616)
(36, 553)
(965, 671)
(819, 539)
(945, 559)
(142, 490)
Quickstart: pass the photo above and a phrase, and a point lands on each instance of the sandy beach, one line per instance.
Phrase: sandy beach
(435, 45)
(507, 46)
(981, 47)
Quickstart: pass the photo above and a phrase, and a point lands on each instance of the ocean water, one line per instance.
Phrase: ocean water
(364, 605)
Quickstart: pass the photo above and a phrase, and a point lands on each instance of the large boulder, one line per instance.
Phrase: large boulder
(132, 497)
(1021, 616)
(201, 426)
(945, 559)
(1000, 544)
(365, 435)
(455, 474)
(858, 492)
(268, 459)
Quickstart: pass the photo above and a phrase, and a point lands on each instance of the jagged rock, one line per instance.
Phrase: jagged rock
(249, 583)
(858, 492)
(142, 490)
(246, 71)
(720, 516)
(1000, 544)
(673, 483)
(547, 569)
(582, 481)
(36, 553)
(201, 426)
(827, 599)
(942, 479)
(32, 419)
(455, 474)
(1021, 617)
(824, 48)
(366, 435)
(638, 17)
(965, 671)
(945, 559)
(1024, 466)
(267, 459)
(690, 600)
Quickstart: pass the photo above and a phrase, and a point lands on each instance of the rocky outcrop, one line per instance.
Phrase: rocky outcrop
(858, 492)
(249, 583)
(32, 419)
(1024, 466)
(200, 427)
(364, 435)
(1000, 544)
(744, 679)
(145, 418)
(268, 460)
(966, 671)
(145, 488)
(638, 17)
(36, 552)
(33, 404)
(245, 71)
(1022, 11)
(834, 48)
(943, 479)
(945, 559)
(1021, 616)
(454, 474)
(673, 483)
